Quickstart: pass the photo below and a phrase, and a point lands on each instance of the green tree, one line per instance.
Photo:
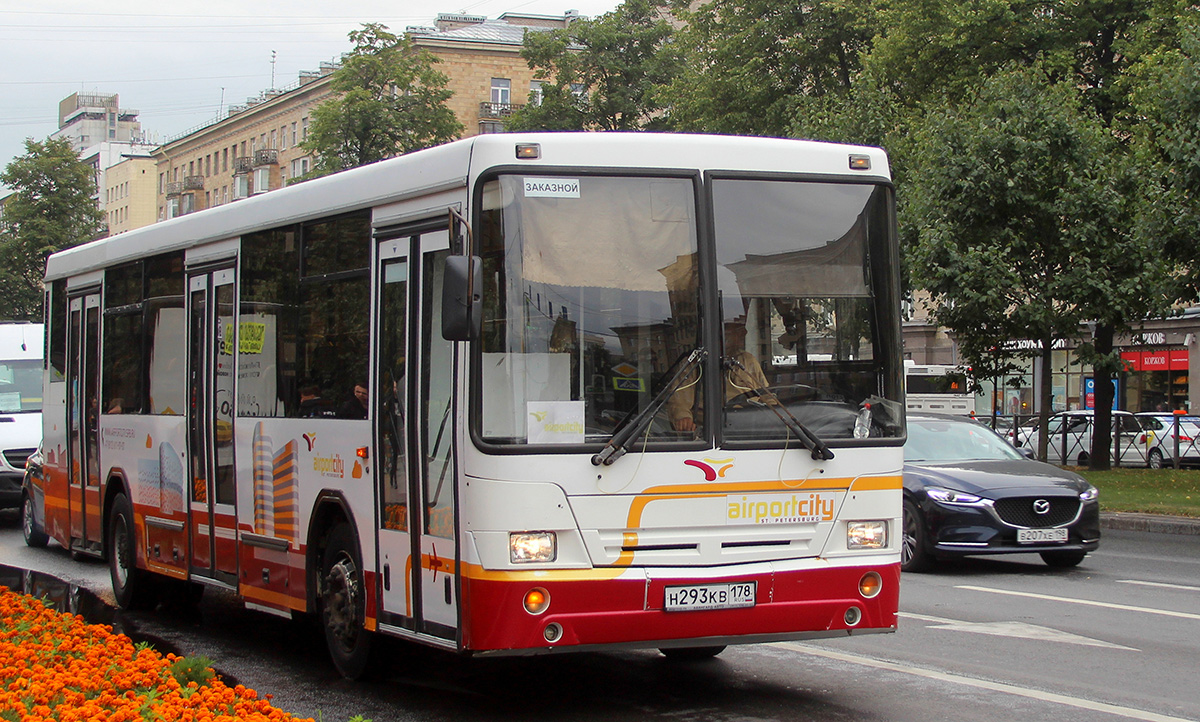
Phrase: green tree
(1165, 122)
(390, 100)
(746, 61)
(600, 74)
(52, 207)
(1020, 198)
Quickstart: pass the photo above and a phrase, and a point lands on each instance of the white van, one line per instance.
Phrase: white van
(20, 404)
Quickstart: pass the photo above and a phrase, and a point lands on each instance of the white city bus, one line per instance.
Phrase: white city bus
(938, 388)
(464, 397)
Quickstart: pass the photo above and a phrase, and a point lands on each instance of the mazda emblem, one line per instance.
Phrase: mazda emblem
(1041, 506)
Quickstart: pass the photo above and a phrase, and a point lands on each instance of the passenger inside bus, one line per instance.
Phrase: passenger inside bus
(355, 408)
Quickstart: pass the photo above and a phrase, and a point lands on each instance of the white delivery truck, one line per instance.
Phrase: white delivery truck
(20, 405)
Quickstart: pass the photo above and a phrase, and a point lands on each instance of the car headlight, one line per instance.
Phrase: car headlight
(950, 496)
(1089, 494)
(866, 534)
(532, 546)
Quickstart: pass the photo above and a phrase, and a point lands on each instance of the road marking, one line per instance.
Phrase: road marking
(1085, 602)
(1077, 702)
(1164, 585)
(1019, 630)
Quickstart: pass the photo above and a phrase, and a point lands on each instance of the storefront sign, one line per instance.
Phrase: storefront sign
(1156, 360)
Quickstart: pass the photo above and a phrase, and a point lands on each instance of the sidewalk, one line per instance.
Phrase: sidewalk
(1150, 522)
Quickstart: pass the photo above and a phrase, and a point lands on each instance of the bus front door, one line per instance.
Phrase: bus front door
(414, 434)
(83, 426)
(211, 347)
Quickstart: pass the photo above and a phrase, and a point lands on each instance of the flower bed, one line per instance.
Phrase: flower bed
(55, 666)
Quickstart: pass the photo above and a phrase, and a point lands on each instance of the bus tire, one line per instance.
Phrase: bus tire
(691, 654)
(34, 536)
(341, 596)
(132, 587)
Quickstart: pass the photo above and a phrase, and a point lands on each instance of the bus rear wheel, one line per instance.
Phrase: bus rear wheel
(132, 587)
(342, 599)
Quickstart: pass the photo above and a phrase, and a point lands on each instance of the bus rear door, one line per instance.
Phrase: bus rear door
(211, 347)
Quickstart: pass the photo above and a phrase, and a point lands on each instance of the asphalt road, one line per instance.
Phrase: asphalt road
(986, 639)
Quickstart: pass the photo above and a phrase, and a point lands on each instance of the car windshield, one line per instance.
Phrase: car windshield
(951, 440)
(20, 386)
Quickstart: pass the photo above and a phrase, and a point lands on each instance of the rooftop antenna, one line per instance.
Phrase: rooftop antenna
(221, 107)
(273, 54)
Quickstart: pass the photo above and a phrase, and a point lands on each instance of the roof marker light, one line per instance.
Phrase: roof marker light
(529, 151)
(860, 162)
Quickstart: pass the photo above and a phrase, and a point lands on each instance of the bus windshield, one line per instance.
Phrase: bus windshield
(795, 263)
(593, 298)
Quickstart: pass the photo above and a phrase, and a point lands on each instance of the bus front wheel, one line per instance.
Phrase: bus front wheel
(342, 599)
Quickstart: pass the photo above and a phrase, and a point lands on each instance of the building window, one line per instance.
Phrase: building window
(501, 90)
(262, 180)
(487, 127)
(304, 129)
(535, 92)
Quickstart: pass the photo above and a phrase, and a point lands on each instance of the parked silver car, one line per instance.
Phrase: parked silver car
(1135, 442)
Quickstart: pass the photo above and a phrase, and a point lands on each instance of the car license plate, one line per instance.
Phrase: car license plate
(695, 597)
(1041, 536)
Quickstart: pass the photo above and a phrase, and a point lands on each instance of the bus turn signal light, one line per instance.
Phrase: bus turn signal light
(537, 600)
(870, 585)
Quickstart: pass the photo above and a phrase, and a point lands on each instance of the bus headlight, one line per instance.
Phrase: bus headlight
(866, 534)
(532, 546)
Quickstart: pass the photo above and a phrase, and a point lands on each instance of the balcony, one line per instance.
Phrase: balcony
(242, 165)
(174, 188)
(269, 156)
(193, 183)
(498, 110)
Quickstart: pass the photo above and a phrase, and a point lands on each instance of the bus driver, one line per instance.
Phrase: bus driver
(742, 374)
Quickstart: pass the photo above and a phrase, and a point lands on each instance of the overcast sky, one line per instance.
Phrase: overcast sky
(179, 64)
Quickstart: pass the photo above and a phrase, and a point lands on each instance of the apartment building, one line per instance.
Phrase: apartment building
(254, 147)
(129, 193)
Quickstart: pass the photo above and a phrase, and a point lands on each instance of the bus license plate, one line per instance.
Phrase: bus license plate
(710, 596)
(1041, 536)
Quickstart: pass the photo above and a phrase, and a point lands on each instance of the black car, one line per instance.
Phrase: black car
(967, 491)
(32, 496)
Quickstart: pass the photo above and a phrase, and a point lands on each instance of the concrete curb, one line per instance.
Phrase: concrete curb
(1150, 522)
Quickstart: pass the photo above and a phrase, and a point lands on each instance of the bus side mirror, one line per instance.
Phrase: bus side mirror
(462, 307)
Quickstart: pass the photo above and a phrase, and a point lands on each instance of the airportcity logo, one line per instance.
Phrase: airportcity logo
(713, 468)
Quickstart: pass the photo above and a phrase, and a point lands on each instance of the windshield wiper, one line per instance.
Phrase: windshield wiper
(764, 397)
(633, 424)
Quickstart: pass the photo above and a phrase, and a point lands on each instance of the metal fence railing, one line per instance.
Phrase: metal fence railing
(1137, 441)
